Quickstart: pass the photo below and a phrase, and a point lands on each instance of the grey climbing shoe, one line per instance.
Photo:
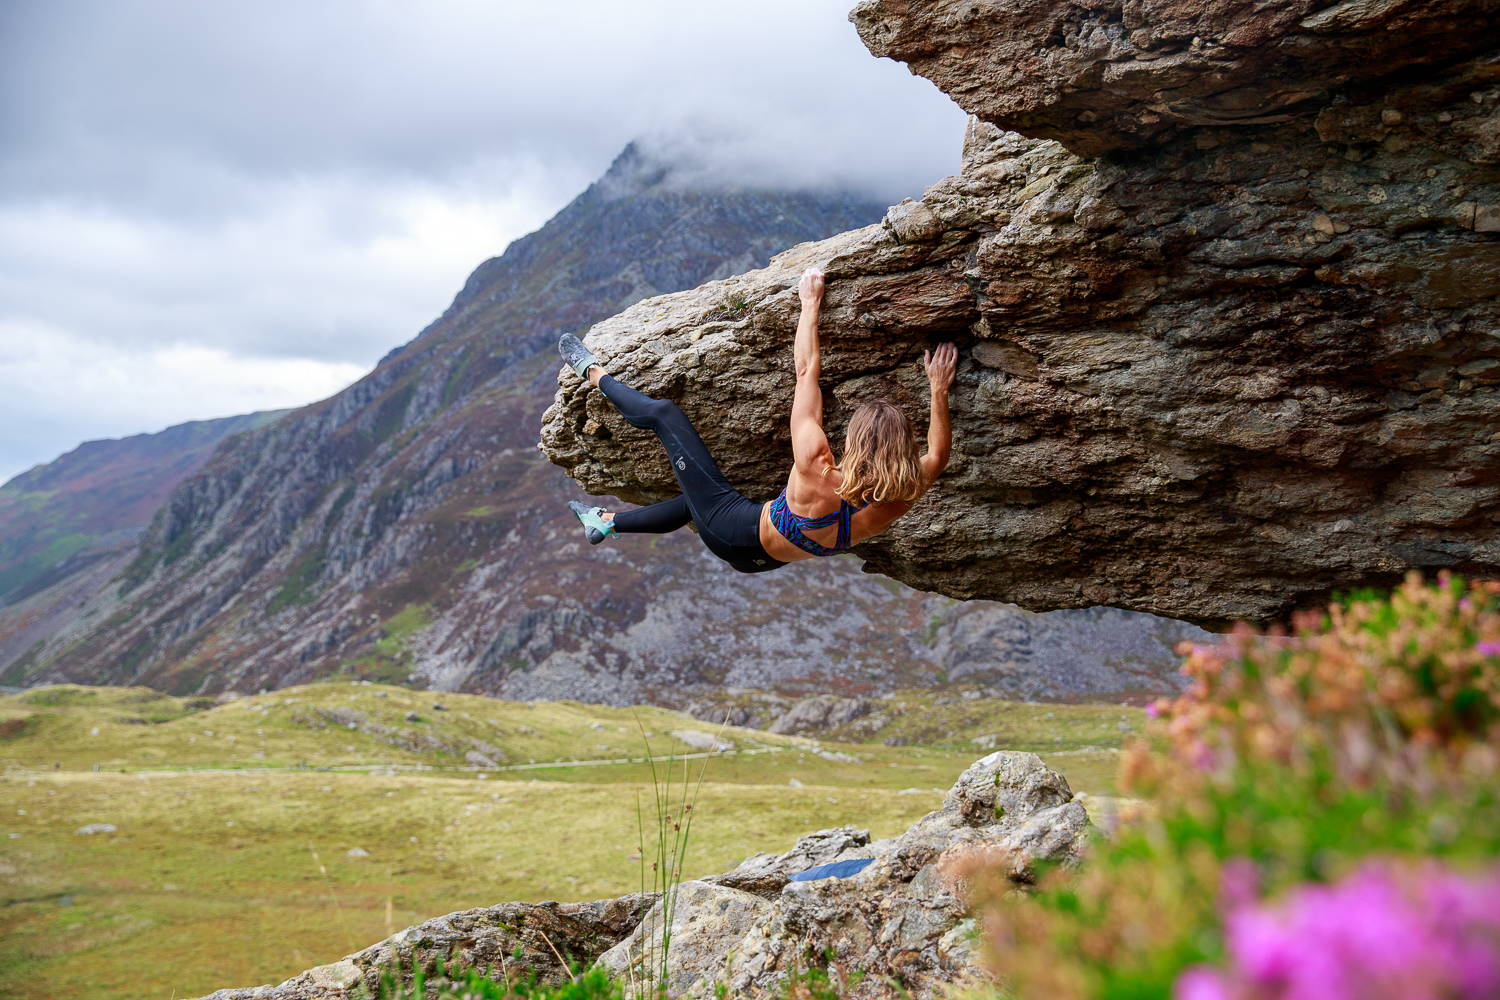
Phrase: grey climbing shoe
(594, 525)
(575, 355)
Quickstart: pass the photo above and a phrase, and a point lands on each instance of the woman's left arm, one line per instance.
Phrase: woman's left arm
(940, 365)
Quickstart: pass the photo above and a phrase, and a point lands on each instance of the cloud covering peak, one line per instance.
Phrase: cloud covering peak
(282, 191)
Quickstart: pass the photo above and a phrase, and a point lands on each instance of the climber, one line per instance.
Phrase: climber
(840, 504)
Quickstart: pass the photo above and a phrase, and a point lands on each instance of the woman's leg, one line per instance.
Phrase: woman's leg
(656, 519)
(704, 487)
(728, 523)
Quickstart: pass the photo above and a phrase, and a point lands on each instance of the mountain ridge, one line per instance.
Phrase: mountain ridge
(97, 497)
(405, 529)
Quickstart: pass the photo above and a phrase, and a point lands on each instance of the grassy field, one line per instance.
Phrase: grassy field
(230, 859)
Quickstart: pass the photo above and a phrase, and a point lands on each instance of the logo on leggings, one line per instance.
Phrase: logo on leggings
(681, 462)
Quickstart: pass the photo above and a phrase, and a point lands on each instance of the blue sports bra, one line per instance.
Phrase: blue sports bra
(792, 525)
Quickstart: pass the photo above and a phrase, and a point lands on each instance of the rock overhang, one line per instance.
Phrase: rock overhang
(1214, 377)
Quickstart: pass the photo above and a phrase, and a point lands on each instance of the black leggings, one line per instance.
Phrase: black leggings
(728, 523)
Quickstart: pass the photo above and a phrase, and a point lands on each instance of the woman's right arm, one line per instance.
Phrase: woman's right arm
(809, 444)
(940, 365)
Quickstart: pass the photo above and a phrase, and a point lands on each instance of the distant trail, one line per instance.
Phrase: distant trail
(533, 766)
(626, 760)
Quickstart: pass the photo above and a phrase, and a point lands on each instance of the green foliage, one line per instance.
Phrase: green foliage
(297, 588)
(391, 415)
(825, 980)
(674, 797)
(399, 630)
(61, 694)
(15, 674)
(339, 503)
(177, 546)
(1371, 729)
(733, 305)
(58, 550)
(458, 376)
(591, 984)
(31, 501)
(133, 657)
(390, 657)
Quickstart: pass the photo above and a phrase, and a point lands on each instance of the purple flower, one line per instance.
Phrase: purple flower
(1200, 983)
(1387, 931)
(1239, 883)
(1489, 648)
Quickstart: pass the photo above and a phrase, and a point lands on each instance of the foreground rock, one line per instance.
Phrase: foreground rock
(1248, 362)
(898, 921)
(515, 936)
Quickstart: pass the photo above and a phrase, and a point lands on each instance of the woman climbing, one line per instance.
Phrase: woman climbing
(826, 507)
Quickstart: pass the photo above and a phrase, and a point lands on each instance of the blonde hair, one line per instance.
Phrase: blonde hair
(880, 456)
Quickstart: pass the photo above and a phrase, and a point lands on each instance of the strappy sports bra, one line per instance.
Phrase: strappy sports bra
(792, 525)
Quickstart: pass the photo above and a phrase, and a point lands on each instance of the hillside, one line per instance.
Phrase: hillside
(157, 846)
(68, 527)
(59, 517)
(405, 529)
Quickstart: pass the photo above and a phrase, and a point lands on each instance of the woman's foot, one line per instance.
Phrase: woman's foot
(577, 357)
(597, 522)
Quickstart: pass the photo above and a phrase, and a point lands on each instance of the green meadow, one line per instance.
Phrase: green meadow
(258, 837)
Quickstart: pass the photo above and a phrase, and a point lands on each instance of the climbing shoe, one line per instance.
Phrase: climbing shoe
(594, 525)
(575, 355)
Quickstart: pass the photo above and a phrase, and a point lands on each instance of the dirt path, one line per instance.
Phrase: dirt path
(387, 768)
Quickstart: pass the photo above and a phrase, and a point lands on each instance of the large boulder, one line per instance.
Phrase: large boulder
(898, 922)
(1247, 362)
(820, 713)
(704, 917)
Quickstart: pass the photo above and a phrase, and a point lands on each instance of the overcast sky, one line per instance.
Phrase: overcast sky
(208, 208)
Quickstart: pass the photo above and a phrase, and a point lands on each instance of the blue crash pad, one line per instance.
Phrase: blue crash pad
(837, 869)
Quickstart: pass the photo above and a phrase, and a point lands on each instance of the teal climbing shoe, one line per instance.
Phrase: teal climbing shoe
(575, 355)
(594, 526)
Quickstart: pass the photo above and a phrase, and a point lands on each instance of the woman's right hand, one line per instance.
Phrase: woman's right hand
(810, 287)
(940, 364)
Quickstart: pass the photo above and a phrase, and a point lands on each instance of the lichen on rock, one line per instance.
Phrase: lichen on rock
(1241, 361)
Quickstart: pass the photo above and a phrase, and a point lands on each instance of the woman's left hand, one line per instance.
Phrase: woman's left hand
(940, 364)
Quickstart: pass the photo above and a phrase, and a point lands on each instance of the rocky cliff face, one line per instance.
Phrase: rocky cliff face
(406, 528)
(65, 526)
(97, 498)
(1229, 329)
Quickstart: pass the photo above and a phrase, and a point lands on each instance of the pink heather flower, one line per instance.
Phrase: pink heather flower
(1239, 883)
(1153, 709)
(1490, 647)
(1386, 932)
(1200, 983)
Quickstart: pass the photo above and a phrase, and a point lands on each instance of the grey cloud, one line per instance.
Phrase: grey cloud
(286, 87)
(290, 180)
